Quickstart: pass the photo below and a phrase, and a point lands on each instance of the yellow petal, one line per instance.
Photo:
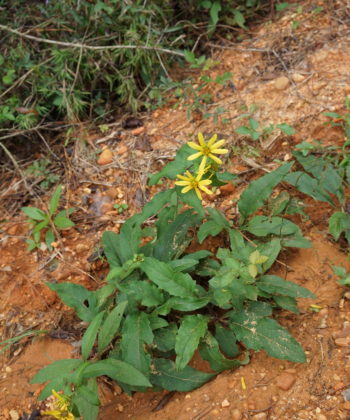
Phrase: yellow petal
(189, 175)
(186, 189)
(205, 189)
(194, 145)
(205, 182)
(199, 195)
(212, 140)
(201, 140)
(215, 159)
(182, 183)
(217, 144)
(185, 178)
(195, 156)
(219, 151)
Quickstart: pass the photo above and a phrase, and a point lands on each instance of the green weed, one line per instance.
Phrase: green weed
(47, 222)
(161, 303)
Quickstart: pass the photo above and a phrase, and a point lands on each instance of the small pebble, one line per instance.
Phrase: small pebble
(320, 416)
(105, 157)
(14, 415)
(342, 342)
(260, 416)
(281, 83)
(225, 403)
(285, 381)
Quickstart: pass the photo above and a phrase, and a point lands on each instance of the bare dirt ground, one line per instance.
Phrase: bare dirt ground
(291, 73)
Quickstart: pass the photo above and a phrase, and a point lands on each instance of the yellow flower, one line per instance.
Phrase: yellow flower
(191, 182)
(61, 409)
(209, 149)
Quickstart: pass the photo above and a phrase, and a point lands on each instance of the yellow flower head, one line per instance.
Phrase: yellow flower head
(61, 407)
(209, 149)
(190, 182)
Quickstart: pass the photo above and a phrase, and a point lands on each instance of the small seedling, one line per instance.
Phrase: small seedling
(48, 221)
(121, 207)
(253, 129)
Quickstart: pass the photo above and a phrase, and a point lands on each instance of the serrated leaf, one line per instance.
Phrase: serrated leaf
(151, 294)
(167, 376)
(118, 370)
(259, 190)
(168, 279)
(63, 222)
(55, 199)
(192, 329)
(86, 400)
(57, 369)
(209, 351)
(265, 333)
(90, 335)
(176, 167)
(34, 213)
(77, 297)
(263, 226)
(274, 284)
(136, 333)
(110, 326)
(257, 258)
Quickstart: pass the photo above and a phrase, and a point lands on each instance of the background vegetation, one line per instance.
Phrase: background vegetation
(77, 59)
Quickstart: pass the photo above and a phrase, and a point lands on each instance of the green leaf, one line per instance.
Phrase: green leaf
(191, 199)
(77, 297)
(227, 340)
(57, 369)
(168, 279)
(153, 207)
(192, 329)
(136, 333)
(214, 12)
(49, 238)
(118, 370)
(286, 128)
(86, 400)
(91, 334)
(265, 333)
(53, 205)
(176, 167)
(258, 191)
(239, 18)
(110, 326)
(63, 222)
(308, 185)
(244, 131)
(287, 302)
(173, 238)
(151, 295)
(263, 226)
(187, 304)
(338, 223)
(274, 284)
(164, 338)
(167, 376)
(270, 249)
(34, 213)
(208, 228)
(209, 350)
